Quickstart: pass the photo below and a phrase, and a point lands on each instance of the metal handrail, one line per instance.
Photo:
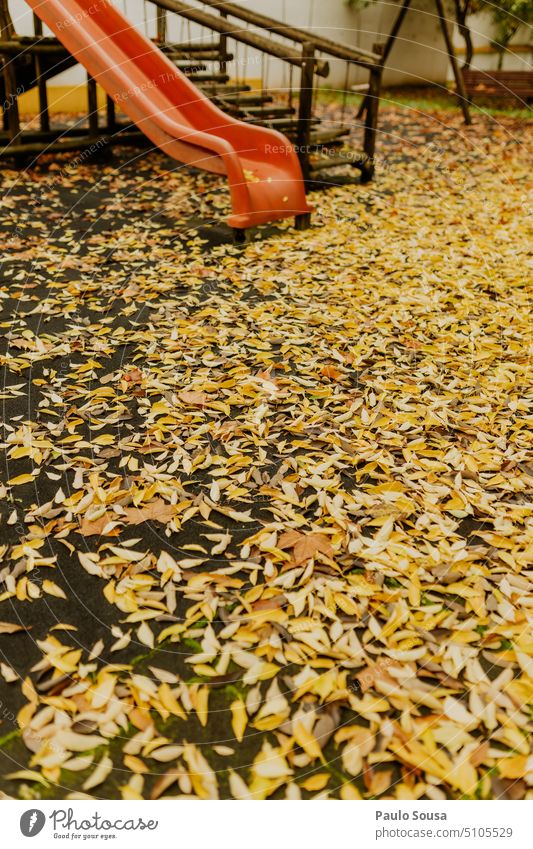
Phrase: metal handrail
(357, 55)
(221, 25)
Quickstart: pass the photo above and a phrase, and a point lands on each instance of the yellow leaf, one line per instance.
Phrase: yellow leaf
(20, 479)
(170, 702)
(316, 782)
(306, 740)
(100, 773)
(27, 775)
(202, 698)
(134, 764)
(512, 767)
(239, 718)
(52, 589)
(25, 714)
(348, 791)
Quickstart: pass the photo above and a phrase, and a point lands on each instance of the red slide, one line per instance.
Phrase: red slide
(263, 170)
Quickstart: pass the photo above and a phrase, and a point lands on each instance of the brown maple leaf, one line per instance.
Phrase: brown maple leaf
(196, 399)
(156, 511)
(331, 372)
(305, 546)
(368, 676)
(88, 528)
(310, 545)
(133, 376)
(289, 539)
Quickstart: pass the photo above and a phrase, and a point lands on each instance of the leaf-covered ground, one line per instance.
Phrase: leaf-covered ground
(264, 509)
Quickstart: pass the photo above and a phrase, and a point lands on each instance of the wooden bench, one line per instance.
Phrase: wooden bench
(517, 84)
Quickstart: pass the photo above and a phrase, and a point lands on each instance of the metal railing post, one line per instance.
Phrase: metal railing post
(305, 106)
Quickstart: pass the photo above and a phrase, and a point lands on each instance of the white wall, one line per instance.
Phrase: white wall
(418, 56)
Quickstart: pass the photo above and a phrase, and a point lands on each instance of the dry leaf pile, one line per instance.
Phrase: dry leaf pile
(292, 480)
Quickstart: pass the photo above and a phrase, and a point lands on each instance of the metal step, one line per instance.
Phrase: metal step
(267, 112)
(285, 125)
(209, 78)
(326, 138)
(215, 91)
(199, 56)
(190, 65)
(194, 47)
(246, 99)
(341, 158)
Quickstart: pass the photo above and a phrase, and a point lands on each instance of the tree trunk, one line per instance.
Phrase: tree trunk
(505, 38)
(461, 13)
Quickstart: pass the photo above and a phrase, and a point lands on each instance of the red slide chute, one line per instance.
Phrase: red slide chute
(262, 168)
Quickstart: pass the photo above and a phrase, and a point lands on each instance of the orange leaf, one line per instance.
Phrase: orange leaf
(331, 372)
(88, 528)
(310, 545)
(305, 545)
(133, 376)
(155, 511)
(289, 539)
(196, 399)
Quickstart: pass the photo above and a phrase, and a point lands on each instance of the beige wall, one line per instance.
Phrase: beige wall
(517, 58)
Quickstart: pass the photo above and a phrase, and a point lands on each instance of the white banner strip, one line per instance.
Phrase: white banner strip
(279, 825)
